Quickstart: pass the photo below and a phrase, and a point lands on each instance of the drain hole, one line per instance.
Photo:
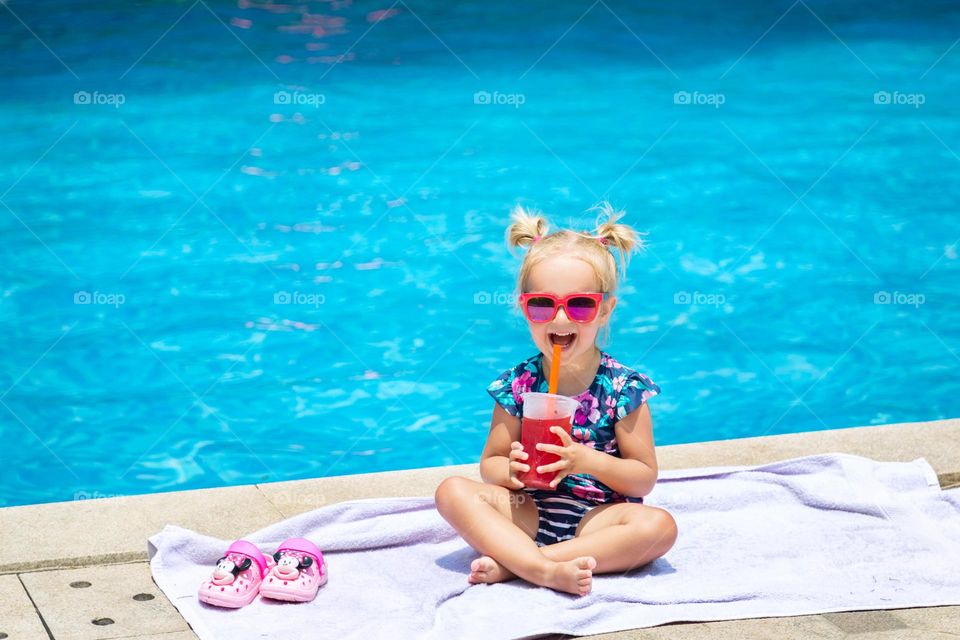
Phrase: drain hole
(143, 597)
(80, 584)
(3, 635)
(101, 622)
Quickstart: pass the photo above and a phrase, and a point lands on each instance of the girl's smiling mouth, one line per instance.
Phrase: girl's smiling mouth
(565, 339)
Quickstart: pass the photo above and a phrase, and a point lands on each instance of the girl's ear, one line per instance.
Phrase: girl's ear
(607, 308)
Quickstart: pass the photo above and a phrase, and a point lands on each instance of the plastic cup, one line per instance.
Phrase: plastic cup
(540, 412)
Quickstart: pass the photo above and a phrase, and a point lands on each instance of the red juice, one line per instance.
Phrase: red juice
(534, 431)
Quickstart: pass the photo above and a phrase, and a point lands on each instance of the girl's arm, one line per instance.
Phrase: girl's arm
(635, 473)
(495, 460)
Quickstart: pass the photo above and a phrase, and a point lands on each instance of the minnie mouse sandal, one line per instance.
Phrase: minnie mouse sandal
(296, 572)
(236, 579)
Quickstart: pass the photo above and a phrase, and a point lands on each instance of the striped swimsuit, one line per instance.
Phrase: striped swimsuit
(559, 515)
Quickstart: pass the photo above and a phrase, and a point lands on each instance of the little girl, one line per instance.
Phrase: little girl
(594, 519)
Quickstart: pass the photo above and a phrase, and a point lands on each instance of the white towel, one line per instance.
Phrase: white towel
(816, 534)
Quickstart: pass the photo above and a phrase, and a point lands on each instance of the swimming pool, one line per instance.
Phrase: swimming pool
(245, 244)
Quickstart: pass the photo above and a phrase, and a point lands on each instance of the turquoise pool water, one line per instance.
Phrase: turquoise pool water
(245, 243)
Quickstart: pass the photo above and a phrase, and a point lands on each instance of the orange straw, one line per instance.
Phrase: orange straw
(555, 369)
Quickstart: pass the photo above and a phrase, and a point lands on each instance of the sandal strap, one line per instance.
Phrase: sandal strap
(251, 551)
(304, 546)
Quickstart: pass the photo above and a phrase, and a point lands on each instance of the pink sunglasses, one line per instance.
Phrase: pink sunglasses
(543, 307)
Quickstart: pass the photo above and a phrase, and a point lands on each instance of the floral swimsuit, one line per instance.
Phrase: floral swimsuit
(616, 391)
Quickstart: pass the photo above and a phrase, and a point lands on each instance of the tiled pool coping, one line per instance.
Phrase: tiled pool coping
(45, 548)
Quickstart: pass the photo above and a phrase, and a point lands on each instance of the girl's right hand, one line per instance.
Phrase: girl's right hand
(516, 467)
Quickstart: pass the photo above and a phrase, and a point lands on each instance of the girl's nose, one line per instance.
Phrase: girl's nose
(561, 318)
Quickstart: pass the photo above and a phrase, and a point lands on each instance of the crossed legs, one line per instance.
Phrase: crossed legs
(501, 524)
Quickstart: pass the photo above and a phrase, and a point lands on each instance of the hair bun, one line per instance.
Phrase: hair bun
(616, 235)
(527, 227)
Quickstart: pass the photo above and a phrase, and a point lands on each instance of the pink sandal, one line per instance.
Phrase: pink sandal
(236, 579)
(295, 572)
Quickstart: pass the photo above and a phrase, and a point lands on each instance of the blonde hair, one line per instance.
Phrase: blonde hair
(530, 229)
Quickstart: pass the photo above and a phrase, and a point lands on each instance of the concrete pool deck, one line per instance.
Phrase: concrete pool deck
(79, 569)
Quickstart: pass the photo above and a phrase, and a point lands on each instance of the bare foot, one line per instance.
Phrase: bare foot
(489, 571)
(573, 576)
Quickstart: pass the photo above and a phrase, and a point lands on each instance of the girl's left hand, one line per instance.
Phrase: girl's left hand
(573, 456)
